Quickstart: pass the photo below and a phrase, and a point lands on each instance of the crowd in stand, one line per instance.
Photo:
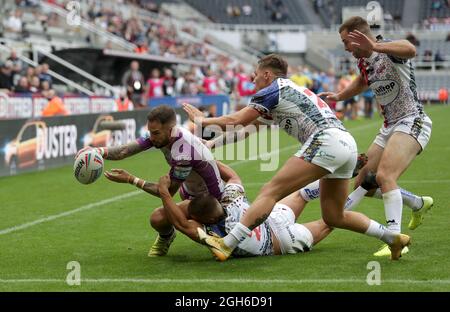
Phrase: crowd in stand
(140, 87)
(17, 77)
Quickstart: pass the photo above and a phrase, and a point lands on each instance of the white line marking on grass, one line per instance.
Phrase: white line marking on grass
(131, 194)
(232, 281)
(70, 212)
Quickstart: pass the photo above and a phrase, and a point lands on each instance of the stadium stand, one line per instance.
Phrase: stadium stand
(252, 11)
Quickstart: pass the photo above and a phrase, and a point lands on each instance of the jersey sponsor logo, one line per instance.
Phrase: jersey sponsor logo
(290, 125)
(386, 91)
(181, 172)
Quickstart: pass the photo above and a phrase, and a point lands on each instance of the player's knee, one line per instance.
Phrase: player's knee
(158, 218)
(333, 220)
(383, 177)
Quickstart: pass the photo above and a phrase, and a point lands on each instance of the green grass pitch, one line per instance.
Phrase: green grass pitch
(110, 238)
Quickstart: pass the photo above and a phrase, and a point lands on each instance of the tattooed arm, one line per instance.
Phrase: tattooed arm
(117, 152)
(123, 151)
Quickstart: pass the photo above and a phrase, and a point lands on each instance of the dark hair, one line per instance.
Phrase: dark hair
(355, 23)
(164, 114)
(275, 63)
(202, 205)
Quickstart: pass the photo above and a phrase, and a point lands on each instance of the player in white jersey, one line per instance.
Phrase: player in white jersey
(277, 235)
(386, 68)
(193, 170)
(328, 153)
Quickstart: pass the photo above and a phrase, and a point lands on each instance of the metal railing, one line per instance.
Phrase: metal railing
(90, 27)
(78, 70)
(51, 73)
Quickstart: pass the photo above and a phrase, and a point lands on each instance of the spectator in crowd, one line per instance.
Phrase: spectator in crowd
(133, 81)
(168, 82)
(44, 87)
(29, 73)
(23, 85)
(6, 76)
(55, 106)
(438, 58)
(154, 86)
(123, 103)
(247, 10)
(210, 83)
(443, 96)
(16, 61)
(350, 105)
(413, 39)
(368, 97)
(35, 84)
(301, 79)
(44, 75)
(141, 47)
(14, 22)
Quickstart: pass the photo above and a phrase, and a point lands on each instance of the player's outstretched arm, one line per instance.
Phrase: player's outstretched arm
(116, 152)
(232, 136)
(399, 48)
(242, 117)
(123, 176)
(356, 87)
(174, 213)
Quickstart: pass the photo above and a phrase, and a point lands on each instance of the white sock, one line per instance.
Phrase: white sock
(409, 199)
(236, 235)
(379, 231)
(355, 198)
(393, 207)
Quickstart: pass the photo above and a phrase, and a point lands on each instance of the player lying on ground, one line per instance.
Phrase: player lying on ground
(193, 170)
(387, 69)
(328, 152)
(278, 234)
(419, 204)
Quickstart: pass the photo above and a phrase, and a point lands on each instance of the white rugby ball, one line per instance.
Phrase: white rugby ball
(88, 166)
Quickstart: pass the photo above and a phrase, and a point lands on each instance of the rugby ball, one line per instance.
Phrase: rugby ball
(88, 166)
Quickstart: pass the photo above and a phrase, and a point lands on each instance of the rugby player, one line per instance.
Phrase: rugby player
(193, 170)
(328, 153)
(386, 68)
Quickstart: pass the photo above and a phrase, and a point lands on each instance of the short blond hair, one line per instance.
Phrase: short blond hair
(355, 23)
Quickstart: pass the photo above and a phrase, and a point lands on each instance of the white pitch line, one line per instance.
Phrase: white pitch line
(70, 212)
(131, 194)
(232, 281)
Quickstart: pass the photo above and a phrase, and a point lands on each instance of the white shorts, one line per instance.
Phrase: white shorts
(334, 150)
(417, 127)
(293, 237)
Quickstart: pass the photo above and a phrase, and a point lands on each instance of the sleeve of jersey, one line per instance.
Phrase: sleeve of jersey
(180, 172)
(144, 141)
(266, 99)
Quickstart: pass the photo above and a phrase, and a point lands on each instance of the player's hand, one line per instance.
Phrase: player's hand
(164, 183)
(194, 114)
(329, 96)
(82, 150)
(100, 150)
(119, 176)
(208, 143)
(361, 41)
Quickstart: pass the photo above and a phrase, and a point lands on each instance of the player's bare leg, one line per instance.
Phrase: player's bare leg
(333, 194)
(295, 174)
(166, 231)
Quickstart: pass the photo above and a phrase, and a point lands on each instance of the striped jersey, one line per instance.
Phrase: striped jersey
(297, 110)
(392, 80)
